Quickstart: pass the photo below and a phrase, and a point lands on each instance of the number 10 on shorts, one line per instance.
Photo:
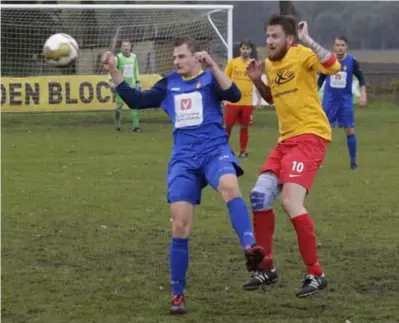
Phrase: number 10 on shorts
(297, 166)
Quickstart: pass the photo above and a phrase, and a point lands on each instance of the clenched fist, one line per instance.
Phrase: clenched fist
(108, 61)
(205, 59)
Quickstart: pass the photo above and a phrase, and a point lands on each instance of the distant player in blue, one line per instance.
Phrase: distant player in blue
(337, 98)
(192, 98)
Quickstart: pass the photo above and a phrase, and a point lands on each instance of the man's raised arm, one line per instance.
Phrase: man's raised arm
(226, 88)
(135, 99)
(322, 60)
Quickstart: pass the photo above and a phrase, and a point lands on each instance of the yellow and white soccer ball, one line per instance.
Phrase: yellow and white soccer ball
(60, 50)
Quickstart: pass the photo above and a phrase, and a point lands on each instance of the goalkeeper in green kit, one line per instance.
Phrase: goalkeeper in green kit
(128, 65)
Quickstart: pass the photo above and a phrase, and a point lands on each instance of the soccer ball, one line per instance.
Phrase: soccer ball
(60, 50)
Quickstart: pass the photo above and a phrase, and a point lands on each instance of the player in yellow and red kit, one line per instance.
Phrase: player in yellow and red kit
(241, 111)
(305, 131)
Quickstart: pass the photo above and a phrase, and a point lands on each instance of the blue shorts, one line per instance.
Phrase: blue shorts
(188, 176)
(341, 113)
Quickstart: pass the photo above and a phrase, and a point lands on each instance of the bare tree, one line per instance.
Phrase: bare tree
(287, 8)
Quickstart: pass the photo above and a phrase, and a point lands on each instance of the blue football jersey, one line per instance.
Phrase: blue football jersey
(340, 84)
(193, 106)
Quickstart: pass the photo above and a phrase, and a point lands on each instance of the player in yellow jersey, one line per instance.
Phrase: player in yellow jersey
(291, 167)
(241, 111)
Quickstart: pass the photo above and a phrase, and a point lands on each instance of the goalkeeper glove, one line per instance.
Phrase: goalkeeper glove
(138, 86)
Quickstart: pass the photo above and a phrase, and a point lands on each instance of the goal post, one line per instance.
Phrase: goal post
(98, 27)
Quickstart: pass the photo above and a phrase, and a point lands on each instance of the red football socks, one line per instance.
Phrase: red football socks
(243, 139)
(306, 236)
(264, 223)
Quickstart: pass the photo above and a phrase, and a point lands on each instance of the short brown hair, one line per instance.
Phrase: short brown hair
(287, 23)
(191, 43)
(343, 38)
(246, 43)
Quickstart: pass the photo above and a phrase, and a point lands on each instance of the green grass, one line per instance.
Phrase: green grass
(85, 228)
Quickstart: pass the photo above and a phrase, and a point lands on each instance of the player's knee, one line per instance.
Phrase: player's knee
(182, 218)
(261, 201)
(228, 187)
(180, 228)
(292, 200)
(265, 192)
(350, 131)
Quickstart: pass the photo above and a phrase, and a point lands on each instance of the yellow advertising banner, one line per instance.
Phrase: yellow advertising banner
(61, 93)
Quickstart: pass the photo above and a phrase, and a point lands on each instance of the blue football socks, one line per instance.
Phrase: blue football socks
(241, 221)
(178, 262)
(352, 147)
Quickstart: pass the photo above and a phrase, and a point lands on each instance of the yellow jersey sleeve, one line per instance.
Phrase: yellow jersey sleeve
(312, 62)
(229, 68)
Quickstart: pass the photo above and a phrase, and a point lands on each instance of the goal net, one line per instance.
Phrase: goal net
(97, 28)
(30, 84)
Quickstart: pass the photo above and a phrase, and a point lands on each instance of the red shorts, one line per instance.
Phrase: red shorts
(297, 159)
(237, 114)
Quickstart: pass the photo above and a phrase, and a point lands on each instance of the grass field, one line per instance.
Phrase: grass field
(85, 229)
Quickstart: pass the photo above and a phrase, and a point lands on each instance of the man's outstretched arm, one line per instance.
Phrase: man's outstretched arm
(146, 99)
(135, 99)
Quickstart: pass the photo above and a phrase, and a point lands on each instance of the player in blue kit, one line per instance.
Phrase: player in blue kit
(338, 99)
(192, 99)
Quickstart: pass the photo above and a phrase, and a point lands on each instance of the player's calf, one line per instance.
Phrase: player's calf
(245, 121)
(262, 198)
(293, 196)
(118, 116)
(239, 215)
(244, 135)
(351, 142)
(228, 130)
(182, 217)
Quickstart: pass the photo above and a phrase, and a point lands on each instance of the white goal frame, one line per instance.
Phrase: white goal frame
(212, 8)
